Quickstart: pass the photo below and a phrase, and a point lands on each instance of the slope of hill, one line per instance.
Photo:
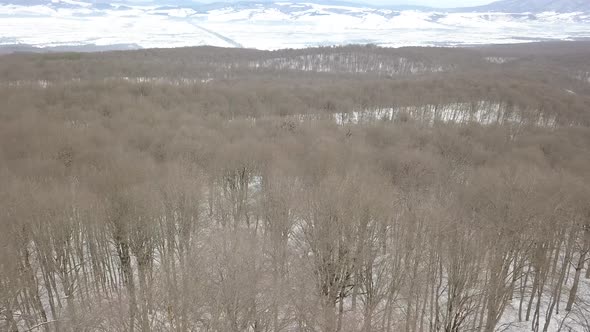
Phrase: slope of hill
(537, 6)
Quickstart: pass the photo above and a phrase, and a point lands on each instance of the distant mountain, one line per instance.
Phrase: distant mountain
(44, 2)
(55, 4)
(503, 6)
(24, 48)
(534, 6)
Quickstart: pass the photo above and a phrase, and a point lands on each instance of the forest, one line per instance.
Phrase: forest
(331, 189)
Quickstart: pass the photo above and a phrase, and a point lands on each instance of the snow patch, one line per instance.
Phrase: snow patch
(499, 60)
(483, 112)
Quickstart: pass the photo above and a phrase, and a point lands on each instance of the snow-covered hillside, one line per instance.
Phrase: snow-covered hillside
(272, 25)
(536, 6)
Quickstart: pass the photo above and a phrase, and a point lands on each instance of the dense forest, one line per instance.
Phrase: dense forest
(333, 189)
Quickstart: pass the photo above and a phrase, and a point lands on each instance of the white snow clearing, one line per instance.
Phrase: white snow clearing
(274, 26)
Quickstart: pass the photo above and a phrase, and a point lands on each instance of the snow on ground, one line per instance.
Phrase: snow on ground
(499, 60)
(483, 112)
(346, 63)
(274, 26)
(582, 76)
(182, 81)
(576, 320)
(146, 31)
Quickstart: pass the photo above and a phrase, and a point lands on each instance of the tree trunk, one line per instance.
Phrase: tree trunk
(572, 297)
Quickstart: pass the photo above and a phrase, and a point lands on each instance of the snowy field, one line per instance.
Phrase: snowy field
(274, 26)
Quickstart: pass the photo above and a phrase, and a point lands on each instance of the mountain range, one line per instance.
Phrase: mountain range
(506, 6)
(283, 24)
(536, 6)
